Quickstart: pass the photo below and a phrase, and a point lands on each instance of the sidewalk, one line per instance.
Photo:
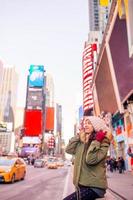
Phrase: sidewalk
(121, 184)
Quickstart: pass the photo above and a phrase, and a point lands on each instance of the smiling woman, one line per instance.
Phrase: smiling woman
(90, 149)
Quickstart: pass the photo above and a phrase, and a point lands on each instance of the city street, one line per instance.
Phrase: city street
(43, 183)
(66, 100)
(39, 184)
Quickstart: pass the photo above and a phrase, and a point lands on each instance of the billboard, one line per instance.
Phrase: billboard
(25, 151)
(49, 119)
(31, 140)
(87, 69)
(103, 79)
(36, 76)
(49, 140)
(123, 65)
(33, 122)
(35, 98)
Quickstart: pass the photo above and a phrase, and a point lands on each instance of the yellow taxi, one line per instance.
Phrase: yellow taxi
(60, 163)
(12, 169)
(51, 163)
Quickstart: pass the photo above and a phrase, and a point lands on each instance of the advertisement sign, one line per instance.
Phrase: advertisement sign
(87, 76)
(31, 140)
(49, 120)
(36, 76)
(104, 3)
(47, 137)
(34, 98)
(33, 122)
(51, 142)
(25, 151)
(121, 61)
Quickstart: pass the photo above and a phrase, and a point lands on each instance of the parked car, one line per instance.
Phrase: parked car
(39, 163)
(12, 169)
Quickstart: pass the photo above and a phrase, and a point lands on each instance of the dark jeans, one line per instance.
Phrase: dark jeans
(84, 194)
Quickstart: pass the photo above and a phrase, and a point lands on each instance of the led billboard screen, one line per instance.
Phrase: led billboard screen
(35, 98)
(33, 122)
(36, 76)
(49, 120)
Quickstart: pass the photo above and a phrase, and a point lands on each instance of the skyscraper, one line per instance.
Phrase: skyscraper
(98, 15)
(49, 90)
(93, 15)
(8, 94)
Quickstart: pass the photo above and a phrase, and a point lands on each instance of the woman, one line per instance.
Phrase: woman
(90, 149)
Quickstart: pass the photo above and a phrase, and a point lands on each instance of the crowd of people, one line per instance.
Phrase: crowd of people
(31, 159)
(116, 165)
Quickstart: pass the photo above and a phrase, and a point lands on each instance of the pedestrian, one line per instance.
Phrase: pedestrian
(28, 159)
(32, 160)
(121, 165)
(130, 153)
(115, 164)
(111, 164)
(90, 149)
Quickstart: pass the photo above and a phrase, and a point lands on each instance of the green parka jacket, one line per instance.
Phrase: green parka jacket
(89, 163)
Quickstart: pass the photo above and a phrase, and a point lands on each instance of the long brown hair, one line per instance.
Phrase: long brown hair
(92, 137)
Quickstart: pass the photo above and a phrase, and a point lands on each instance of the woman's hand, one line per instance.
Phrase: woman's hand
(84, 137)
(100, 135)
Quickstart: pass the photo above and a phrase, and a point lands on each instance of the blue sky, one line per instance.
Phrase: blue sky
(50, 33)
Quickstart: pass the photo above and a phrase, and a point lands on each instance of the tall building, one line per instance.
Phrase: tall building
(49, 91)
(58, 130)
(98, 15)
(8, 94)
(59, 119)
(33, 115)
(112, 81)
(94, 15)
(49, 114)
(19, 117)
